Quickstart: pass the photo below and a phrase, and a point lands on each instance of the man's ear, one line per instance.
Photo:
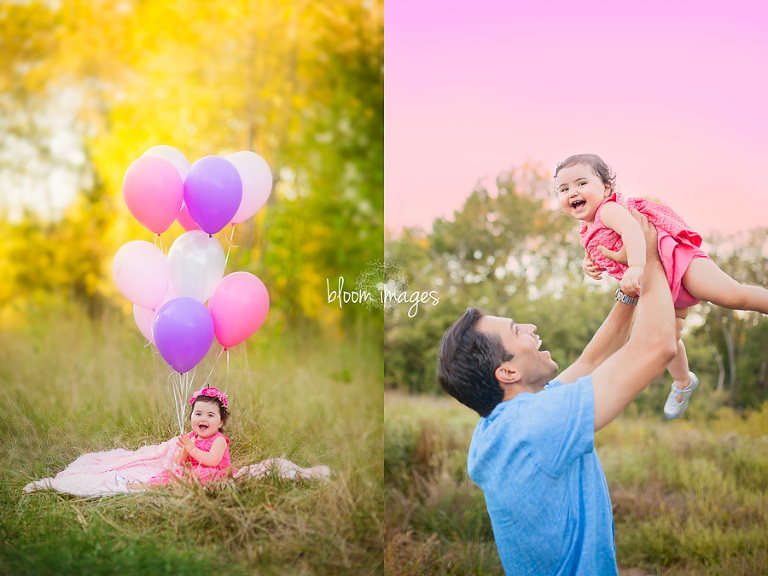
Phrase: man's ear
(507, 373)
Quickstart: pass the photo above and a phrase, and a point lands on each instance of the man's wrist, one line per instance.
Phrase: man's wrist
(623, 298)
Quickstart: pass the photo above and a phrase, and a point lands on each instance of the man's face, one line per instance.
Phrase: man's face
(535, 367)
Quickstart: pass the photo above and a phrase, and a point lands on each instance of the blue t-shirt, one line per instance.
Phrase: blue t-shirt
(534, 457)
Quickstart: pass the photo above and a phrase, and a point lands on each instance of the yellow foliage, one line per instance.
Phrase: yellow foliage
(209, 77)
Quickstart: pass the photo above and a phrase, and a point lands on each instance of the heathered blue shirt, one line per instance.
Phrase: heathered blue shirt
(534, 457)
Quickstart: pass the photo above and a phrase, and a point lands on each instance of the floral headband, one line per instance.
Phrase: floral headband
(212, 393)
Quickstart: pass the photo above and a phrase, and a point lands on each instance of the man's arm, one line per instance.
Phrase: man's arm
(613, 333)
(652, 345)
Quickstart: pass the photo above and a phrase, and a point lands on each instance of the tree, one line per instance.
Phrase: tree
(739, 339)
(510, 252)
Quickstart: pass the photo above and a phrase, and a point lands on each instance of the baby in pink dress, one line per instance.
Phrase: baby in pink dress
(203, 453)
(611, 235)
(678, 244)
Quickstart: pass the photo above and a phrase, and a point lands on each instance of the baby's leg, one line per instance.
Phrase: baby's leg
(678, 368)
(706, 281)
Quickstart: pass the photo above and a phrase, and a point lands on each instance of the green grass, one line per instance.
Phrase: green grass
(690, 496)
(72, 386)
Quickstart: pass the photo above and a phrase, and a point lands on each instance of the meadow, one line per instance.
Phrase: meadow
(73, 385)
(690, 496)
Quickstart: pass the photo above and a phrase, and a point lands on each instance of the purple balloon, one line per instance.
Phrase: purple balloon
(213, 191)
(183, 333)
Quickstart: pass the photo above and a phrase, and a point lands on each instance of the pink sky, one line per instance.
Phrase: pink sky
(673, 95)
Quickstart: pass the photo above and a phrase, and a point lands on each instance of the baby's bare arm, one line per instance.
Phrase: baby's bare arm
(618, 219)
(214, 456)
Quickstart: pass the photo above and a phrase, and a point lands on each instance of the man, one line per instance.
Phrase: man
(532, 451)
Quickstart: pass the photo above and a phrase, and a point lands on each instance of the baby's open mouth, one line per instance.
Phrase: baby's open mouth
(577, 204)
(202, 426)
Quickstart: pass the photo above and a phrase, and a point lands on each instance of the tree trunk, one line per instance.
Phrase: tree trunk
(720, 367)
(730, 346)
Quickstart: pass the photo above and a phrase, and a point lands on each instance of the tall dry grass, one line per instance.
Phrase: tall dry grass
(71, 385)
(690, 496)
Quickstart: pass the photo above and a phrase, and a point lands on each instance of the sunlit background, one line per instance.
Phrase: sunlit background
(86, 87)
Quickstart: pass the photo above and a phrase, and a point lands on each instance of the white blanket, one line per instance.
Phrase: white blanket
(93, 474)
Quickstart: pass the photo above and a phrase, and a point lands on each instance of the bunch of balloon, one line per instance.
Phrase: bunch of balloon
(169, 292)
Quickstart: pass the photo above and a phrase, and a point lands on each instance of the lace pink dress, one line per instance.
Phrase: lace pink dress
(678, 244)
(203, 473)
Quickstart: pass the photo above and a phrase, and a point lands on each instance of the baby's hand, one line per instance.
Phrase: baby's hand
(590, 268)
(630, 283)
(185, 442)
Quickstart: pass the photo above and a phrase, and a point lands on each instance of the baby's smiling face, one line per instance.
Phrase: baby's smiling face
(206, 418)
(580, 192)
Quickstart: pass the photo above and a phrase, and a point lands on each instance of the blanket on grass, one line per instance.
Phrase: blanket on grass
(93, 474)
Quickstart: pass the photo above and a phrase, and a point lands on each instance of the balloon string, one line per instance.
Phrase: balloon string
(229, 244)
(180, 404)
(159, 240)
(181, 387)
(175, 388)
(231, 237)
(214, 366)
(226, 381)
(190, 380)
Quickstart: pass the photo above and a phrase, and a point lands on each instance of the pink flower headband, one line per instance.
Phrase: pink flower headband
(212, 393)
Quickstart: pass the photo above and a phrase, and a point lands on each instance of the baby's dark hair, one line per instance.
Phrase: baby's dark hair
(223, 411)
(598, 165)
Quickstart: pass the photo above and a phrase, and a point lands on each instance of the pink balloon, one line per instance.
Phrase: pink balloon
(153, 191)
(239, 306)
(144, 318)
(141, 273)
(186, 220)
(212, 193)
(257, 183)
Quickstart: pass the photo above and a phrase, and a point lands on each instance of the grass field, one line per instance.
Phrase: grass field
(71, 386)
(690, 496)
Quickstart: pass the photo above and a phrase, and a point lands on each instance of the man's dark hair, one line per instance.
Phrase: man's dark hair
(467, 362)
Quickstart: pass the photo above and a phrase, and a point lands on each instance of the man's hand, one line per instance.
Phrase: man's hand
(651, 237)
(590, 268)
(651, 241)
(630, 283)
(619, 255)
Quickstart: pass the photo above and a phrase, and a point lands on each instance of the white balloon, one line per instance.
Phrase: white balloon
(197, 264)
(172, 155)
(257, 183)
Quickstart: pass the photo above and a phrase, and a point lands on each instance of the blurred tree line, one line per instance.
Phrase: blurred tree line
(86, 86)
(510, 251)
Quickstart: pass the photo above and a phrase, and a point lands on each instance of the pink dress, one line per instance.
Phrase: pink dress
(203, 473)
(678, 244)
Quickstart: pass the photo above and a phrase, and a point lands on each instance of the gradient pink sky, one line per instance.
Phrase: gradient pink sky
(673, 95)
